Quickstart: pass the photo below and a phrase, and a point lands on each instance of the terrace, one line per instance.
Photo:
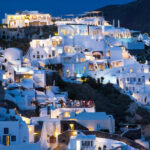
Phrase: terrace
(75, 104)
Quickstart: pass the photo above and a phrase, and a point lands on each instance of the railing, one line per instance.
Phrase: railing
(77, 104)
(116, 137)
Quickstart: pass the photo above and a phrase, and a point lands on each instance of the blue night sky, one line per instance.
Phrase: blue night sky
(55, 7)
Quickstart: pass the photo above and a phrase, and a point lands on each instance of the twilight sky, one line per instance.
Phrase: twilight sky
(55, 7)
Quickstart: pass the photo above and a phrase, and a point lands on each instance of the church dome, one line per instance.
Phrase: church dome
(13, 54)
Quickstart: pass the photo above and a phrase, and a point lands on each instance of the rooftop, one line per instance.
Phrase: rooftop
(90, 116)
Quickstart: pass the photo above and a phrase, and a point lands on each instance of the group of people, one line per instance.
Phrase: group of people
(77, 103)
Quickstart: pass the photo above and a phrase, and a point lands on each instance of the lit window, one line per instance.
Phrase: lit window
(68, 72)
(66, 114)
(72, 126)
(131, 70)
(82, 60)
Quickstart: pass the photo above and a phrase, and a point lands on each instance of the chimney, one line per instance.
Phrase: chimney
(113, 22)
(49, 111)
(7, 111)
(118, 23)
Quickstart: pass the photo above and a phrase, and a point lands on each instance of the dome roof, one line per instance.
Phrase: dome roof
(13, 54)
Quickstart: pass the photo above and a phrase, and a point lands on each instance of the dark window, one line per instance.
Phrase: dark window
(5, 60)
(85, 143)
(6, 130)
(13, 138)
(104, 147)
(91, 143)
(41, 56)
(49, 56)
(88, 143)
(4, 139)
(33, 56)
(139, 79)
(38, 52)
(4, 37)
(143, 78)
(82, 143)
(99, 148)
(53, 53)
(38, 56)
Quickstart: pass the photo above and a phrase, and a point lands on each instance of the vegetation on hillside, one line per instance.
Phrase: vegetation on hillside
(22, 44)
(107, 99)
(29, 33)
(134, 15)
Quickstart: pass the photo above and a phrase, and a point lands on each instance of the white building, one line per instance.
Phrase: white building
(95, 121)
(51, 128)
(96, 21)
(27, 18)
(22, 94)
(13, 56)
(74, 65)
(81, 141)
(42, 49)
(116, 32)
(13, 130)
(39, 76)
(90, 142)
(63, 112)
(135, 80)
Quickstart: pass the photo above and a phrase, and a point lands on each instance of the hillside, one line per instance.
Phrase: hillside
(29, 33)
(107, 98)
(135, 15)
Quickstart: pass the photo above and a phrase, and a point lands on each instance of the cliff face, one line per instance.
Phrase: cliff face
(135, 15)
